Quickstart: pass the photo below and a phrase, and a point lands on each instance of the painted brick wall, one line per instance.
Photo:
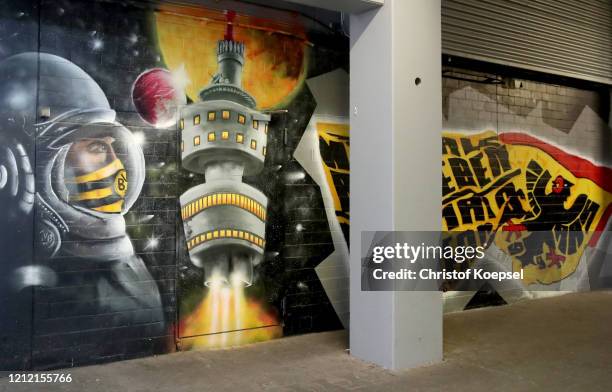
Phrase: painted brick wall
(70, 300)
(566, 121)
(70, 327)
(547, 110)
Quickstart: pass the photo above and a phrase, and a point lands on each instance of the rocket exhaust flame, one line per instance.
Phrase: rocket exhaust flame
(226, 317)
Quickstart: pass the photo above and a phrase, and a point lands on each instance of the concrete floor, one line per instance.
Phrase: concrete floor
(553, 344)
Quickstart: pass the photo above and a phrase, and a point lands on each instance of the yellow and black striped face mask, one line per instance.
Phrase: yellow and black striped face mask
(101, 190)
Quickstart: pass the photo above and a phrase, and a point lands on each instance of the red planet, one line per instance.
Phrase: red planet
(157, 98)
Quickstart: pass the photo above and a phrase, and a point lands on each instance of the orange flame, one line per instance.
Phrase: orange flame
(226, 317)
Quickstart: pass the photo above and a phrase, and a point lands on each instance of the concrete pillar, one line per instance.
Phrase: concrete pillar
(396, 122)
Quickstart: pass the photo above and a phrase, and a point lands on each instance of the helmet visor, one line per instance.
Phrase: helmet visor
(103, 168)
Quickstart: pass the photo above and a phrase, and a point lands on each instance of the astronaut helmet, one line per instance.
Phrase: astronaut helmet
(96, 165)
(90, 168)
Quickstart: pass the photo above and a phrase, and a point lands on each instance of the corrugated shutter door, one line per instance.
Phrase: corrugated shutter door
(563, 37)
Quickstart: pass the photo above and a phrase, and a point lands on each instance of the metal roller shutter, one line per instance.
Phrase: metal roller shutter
(563, 37)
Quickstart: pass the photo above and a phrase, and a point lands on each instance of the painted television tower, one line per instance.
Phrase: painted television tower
(224, 137)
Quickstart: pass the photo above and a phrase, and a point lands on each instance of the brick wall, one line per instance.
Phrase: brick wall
(565, 120)
(551, 111)
(98, 307)
(76, 321)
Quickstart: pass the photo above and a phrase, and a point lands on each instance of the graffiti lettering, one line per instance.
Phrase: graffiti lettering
(512, 183)
(334, 147)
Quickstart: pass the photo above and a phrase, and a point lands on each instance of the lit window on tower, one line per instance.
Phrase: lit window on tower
(196, 140)
(254, 144)
(196, 119)
(225, 135)
(212, 116)
(266, 128)
(211, 136)
(239, 138)
(225, 114)
(182, 124)
(241, 119)
(255, 124)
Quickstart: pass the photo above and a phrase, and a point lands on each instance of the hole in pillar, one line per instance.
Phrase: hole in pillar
(417, 81)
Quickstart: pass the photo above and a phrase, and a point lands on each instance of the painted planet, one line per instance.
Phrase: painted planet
(157, 97)
(275, 66)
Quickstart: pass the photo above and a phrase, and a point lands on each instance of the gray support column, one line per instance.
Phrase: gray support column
(396, 122)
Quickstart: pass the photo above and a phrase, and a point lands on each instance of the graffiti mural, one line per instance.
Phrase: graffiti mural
(334, 146)
(528, 163)
(89, 175)
(552, 204)
(147, 153)
(224, 137)
(240, 118)
(245, 97)
(324, 152)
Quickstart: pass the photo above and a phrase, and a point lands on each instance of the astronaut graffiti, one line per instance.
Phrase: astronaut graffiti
(86, 159)
(552, 204)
